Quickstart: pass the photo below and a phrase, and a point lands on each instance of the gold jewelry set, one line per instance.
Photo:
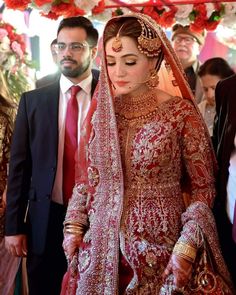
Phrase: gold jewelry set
(185, 251)
(74, 228)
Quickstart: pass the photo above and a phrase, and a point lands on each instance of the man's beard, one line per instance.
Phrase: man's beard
(75, 72)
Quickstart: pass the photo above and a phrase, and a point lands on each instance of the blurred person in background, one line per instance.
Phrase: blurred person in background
(51, 77)
(224, 140)
(211, 72)
(187, 45)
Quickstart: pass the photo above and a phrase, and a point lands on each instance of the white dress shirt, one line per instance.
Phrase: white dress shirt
(83, 98)
(231, 185)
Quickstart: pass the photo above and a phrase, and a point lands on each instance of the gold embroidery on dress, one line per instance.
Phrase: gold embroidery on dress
(153, 148)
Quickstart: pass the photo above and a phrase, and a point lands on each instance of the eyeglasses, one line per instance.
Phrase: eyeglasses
(188, 40)
(74, 47)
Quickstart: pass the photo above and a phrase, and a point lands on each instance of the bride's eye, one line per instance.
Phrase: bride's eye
(130, 63)
(110, 63)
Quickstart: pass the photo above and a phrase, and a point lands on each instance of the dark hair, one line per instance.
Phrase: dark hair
(53, 42)
(129, 27)
(216, 66)
(81, 22)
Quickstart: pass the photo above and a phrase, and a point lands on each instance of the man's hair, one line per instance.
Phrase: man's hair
(53, 42)
(81, 22)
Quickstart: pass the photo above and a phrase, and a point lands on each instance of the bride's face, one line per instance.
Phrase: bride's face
(128, 69)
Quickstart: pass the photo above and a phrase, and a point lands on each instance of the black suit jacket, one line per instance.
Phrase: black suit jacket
(33, 164)
(47, 80)
(224, 132)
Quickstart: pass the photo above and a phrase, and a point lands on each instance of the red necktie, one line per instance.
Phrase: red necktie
(234, 224)
(70, 144)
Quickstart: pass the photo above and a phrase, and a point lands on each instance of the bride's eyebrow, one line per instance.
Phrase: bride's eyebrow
(130, 55)
(126, 55)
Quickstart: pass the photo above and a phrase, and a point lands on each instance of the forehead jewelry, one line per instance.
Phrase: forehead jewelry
(149, 42)
(117, 44)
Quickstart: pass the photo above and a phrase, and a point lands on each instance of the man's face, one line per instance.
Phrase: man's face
(74, 54)
(186, 47)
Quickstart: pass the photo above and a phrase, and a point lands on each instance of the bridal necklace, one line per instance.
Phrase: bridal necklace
(137, 107)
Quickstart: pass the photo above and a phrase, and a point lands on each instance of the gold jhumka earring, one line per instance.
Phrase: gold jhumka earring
(153, 79)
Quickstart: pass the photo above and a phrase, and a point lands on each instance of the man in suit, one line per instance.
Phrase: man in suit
(49, 79)
(187, 45)
(35, 207)
(224, 140)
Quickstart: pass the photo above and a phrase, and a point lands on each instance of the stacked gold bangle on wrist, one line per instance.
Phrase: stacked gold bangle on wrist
(185, 251)
(73, 228)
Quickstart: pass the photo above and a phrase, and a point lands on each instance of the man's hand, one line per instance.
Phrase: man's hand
(16, 245)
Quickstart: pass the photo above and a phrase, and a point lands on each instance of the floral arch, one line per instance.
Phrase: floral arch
(199, 14)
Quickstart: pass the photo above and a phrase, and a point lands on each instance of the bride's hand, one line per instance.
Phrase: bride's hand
(181, 270)
(70, 244)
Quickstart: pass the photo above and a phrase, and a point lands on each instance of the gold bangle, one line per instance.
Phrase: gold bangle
(74, 227)
(70, 223)
(72, 231)
(185, 250)
(184, 256)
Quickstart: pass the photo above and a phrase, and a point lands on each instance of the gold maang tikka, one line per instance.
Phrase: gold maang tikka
(117, 44)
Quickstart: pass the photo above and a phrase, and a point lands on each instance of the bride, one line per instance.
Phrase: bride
(130, 227)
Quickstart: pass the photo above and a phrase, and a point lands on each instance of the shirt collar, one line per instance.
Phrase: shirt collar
(85, 85)
(195, 66)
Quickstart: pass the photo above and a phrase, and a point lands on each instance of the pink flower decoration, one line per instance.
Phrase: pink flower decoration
(17, 49)
(3, 33)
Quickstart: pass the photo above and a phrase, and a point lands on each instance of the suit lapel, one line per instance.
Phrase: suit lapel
(52, 100)
(95, 74)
